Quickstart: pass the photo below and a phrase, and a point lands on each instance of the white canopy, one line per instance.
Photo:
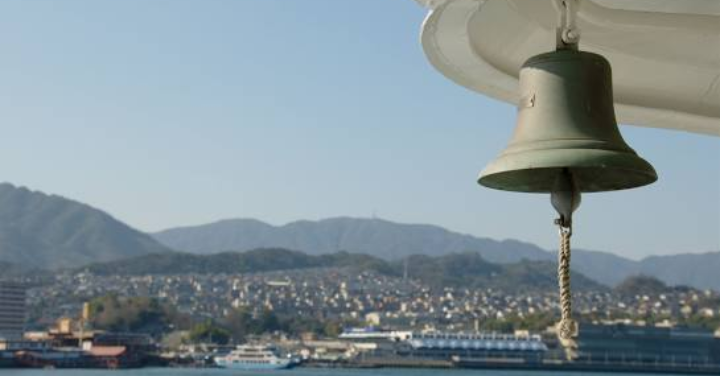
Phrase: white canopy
(665, 54)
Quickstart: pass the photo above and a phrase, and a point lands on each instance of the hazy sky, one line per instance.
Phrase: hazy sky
(178, 112)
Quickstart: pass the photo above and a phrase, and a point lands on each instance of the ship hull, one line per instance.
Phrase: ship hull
(253, 367)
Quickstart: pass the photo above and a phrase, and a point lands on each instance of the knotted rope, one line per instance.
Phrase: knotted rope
(567, 327)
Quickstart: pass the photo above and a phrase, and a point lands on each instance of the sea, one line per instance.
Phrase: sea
(296, 372)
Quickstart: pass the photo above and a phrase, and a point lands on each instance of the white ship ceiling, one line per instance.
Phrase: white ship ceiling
(665, 54)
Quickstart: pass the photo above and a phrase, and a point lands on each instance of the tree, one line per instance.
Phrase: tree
(269, 322)
(138, 314)
(641, 285)
(238, 322)
(332, 329)
(208, 332)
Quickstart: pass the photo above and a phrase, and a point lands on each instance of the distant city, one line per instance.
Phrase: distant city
(374, 299)
(342, 316)
(95, 293)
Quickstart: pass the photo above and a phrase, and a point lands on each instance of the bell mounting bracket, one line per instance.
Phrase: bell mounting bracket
(568, 34)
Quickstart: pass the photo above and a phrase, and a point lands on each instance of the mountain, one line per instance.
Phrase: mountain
(392, 241)
(254, 261)
(49, 232)
(470, 270)
(10, 270)
(641, 285)
(604, 267)
(40, 231)
(375, 237)
(454, 270)
(697, 269)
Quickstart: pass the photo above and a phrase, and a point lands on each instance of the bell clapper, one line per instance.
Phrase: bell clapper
(565, 198)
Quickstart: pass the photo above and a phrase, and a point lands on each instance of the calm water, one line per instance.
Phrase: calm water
(295, 372)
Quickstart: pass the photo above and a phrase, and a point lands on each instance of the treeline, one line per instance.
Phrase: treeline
(255, 261)
(241, 323)
(155, 317)
(136, 314)
(455, 270)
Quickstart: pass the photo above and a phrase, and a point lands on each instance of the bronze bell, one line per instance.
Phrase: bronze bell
(566, 123)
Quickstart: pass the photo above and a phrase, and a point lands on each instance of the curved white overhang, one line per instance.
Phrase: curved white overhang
(665, 54)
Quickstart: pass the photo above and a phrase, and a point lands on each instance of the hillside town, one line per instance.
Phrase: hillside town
(367, 297)
(350, 319)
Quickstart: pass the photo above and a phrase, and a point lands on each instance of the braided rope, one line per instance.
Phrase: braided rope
(567, 327)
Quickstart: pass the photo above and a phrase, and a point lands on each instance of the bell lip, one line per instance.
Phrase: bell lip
(488, 181)
(542, 164)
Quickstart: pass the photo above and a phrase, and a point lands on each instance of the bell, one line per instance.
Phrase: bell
(566, 123)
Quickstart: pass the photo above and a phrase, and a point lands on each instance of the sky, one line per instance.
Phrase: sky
(177, 112)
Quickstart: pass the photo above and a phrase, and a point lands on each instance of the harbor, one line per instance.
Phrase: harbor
(303, 372)
(264, 188)
(600, 348)
(84, 341)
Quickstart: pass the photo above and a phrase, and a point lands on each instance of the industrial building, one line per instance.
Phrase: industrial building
(650, 345)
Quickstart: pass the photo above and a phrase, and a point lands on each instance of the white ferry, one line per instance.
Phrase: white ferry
(249, 357)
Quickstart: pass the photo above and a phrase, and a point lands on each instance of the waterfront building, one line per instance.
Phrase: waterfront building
(651, 345)
(12, 310)
(372, 334)
(467, 346)
(447, 346)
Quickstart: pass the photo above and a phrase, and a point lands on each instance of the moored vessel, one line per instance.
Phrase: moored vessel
(253, 357)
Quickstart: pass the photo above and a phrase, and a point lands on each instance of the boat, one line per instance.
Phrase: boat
(52, 358)
(253, 357)
(101, 357)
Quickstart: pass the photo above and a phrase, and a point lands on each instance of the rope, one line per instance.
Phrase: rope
(567, 327)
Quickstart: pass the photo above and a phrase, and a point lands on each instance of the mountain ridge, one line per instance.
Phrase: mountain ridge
(44, 231)
(334, 234)
(388, 240)
(41, 231)
(468, 270)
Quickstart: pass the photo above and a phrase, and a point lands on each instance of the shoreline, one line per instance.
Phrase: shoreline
(466, 364)
(518, 366)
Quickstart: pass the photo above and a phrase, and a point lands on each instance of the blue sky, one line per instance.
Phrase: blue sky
(179, 112)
